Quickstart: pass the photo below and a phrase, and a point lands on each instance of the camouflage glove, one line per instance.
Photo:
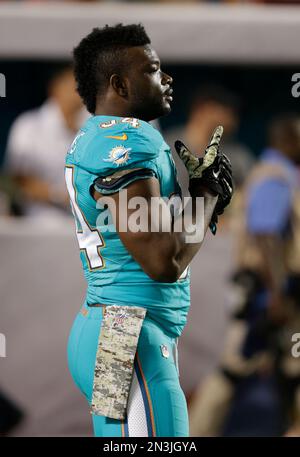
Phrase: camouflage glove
(196, 166)
(213, 171)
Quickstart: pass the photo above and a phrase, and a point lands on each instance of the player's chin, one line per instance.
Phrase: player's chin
(160, 109)
(166, 105)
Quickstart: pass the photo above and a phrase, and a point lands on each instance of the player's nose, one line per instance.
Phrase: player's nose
(167, 79)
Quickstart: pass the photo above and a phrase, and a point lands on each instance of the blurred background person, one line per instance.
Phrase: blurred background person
(256, 390)
(212, 105)
(37, 145)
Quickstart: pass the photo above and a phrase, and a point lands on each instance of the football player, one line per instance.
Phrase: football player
(122, 350)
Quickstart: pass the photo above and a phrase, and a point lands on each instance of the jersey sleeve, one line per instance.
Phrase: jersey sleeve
(122, 147)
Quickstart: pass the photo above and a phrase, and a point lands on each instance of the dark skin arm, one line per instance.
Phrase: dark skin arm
(272, 251)
(271, 247)
(162, 255)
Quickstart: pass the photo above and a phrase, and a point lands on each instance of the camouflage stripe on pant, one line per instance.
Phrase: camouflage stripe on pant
(118, 339)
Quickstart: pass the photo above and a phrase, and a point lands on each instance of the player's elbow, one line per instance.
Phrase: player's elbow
(157, 255)
(167, 271)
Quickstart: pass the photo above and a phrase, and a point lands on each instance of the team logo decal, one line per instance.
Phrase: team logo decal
(123, 137)
(119, 320)
(164, 351)
(119, 155)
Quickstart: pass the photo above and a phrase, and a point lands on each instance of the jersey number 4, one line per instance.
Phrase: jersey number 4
(89, 239)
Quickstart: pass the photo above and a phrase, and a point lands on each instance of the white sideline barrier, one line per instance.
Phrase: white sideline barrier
(42, 288)
(180, 33)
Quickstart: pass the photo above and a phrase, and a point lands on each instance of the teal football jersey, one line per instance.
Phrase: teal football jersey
(104, 145)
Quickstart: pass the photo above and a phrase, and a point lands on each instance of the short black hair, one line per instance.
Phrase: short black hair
(100, 54)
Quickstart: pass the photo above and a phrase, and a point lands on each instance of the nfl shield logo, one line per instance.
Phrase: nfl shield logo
(119, 320)
(164, 351)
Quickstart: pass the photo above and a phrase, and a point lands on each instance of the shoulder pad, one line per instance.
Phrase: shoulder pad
(113, 183)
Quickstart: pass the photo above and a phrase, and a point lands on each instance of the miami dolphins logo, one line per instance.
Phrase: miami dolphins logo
(118, 155)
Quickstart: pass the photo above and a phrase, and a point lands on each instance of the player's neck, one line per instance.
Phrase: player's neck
(112, 109)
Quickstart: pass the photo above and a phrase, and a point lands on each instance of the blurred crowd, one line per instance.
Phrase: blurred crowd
(255, 389)
(36, 148)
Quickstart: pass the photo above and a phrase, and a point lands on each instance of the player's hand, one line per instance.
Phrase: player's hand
(212, 171)
(224, 192)
(224, 187)
(196, 166)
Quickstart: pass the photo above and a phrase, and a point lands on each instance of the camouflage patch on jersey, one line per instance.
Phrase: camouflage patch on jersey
(118, 339)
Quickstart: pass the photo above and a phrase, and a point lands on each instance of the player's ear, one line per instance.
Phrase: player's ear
(119, 85)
